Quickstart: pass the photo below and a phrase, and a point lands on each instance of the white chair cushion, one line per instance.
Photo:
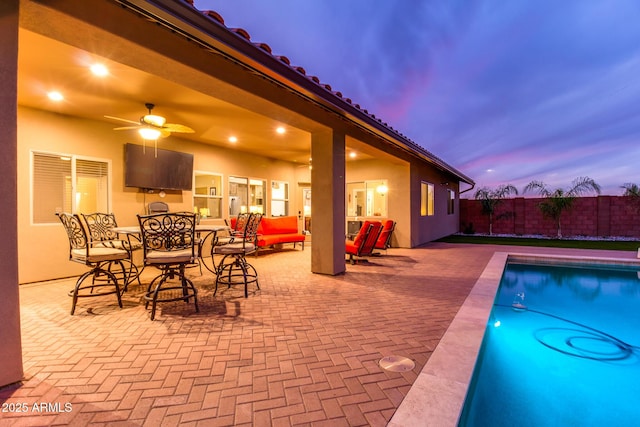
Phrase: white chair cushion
(170, 257)
(235, 248)
(99, 254)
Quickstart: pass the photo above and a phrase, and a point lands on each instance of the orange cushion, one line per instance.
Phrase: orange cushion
(278, 225)
(358, 240)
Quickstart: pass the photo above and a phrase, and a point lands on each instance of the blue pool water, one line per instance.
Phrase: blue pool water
(561, 348)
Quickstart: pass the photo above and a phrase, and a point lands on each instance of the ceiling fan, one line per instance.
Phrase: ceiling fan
(151, 126)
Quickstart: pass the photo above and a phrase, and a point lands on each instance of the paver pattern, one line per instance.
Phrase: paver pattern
(303, 350)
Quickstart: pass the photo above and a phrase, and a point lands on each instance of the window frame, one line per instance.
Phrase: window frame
(249, 181)
(451, 202)
(371, 191)
(284, 200)
(427, 199)
(219, 189)
(73, 158)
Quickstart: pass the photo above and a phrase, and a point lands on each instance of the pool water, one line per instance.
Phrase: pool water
(561, 348)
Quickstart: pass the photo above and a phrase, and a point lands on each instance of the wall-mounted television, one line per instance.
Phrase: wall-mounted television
(168, 170)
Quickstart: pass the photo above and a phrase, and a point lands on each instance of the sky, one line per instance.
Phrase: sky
(505, 91)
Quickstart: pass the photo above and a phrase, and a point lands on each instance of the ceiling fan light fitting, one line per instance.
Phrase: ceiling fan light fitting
(149, 134)
(154, 120)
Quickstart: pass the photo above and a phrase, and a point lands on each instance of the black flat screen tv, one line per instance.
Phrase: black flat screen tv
(169, 170)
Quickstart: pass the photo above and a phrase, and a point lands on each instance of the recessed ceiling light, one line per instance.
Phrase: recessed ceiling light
(352, 154)
(55, 96)
(233, 139)
(99, 70)
(280, 130)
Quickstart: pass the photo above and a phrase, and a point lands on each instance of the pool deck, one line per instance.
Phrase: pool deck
(304, 350)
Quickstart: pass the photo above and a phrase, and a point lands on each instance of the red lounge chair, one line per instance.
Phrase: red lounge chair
(384, 240)
(365, 240)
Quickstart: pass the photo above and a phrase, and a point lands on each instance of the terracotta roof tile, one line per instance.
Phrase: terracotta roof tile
(284, 59)
(241, 32)
(264, 47)
(214, 15)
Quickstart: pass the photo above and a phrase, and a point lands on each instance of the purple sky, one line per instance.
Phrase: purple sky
(505, 91)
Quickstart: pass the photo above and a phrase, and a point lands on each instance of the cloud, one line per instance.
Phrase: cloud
(530, 89)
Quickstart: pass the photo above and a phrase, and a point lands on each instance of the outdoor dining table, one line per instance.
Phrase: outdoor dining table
(205, 231)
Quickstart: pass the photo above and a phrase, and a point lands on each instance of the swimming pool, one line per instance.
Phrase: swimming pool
(561, 348)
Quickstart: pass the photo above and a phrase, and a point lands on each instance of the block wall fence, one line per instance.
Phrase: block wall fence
(602, 216)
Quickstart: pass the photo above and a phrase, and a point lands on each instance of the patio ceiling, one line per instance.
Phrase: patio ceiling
(51, 57)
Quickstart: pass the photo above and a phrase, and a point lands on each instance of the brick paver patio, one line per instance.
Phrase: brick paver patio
(304, 350)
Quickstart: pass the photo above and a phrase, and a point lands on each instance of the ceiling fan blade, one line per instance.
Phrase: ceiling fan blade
(127, 128)
(173, 127)
(122, 120)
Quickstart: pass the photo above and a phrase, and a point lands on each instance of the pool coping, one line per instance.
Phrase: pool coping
(438, 394)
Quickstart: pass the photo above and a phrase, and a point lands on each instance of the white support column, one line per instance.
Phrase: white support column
(327, 207)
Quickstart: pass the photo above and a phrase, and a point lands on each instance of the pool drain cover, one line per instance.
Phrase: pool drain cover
(396, 364)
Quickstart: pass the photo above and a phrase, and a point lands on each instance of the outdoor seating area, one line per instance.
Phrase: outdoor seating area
(372, 235)
(303, 349)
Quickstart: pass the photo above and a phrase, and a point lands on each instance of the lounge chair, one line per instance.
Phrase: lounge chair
(384, 240)
(364, 242)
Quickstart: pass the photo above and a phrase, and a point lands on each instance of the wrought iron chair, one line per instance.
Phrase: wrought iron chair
(169, 244)
(364, 242)
(98, 257)
(101, 231)
(236, 233)
(236, 229)
(233, 268)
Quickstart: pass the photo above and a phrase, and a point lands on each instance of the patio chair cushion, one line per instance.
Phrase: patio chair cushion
(99, 254)
(276, 230)
(170, 257)
(235, 248)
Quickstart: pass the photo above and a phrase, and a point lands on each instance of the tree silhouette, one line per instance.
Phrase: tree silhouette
(559, 200)
(491, 199)
(632, 192)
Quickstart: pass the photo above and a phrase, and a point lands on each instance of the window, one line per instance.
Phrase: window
(452, 202)
(257, 196)
(426, 199)
(207, 194)
(63, 183)
(246, 195)
(367, 198)
(279, 198)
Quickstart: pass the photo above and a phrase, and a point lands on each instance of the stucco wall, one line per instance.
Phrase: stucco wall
(397, 176)
(429, 228)
(46, 245)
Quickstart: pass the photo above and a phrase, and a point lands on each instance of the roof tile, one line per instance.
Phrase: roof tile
(214, 15)
(264, 47)
(241, 32)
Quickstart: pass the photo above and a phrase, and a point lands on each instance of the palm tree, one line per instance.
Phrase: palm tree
(490, 199)
(559, 200)
(632, 191)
